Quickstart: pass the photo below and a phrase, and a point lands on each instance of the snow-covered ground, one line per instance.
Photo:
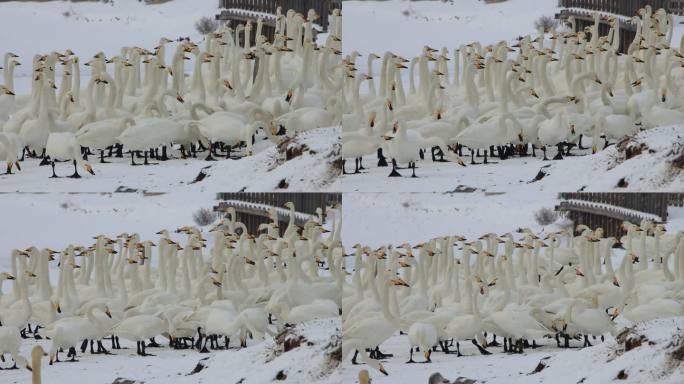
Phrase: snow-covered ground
(269, 169)
(654, 169)
(261, 362)
(658, 359)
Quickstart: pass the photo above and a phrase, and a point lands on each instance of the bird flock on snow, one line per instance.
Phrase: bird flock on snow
(518, 287)
(500, 101)
(198, 296)
(138, 102)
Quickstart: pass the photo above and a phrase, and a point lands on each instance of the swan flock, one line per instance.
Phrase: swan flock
(240, 88)
(500, 101)
(198, 293)
(517, 287)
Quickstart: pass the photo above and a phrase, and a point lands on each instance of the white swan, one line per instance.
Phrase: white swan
(65, 146)
(10, 342)
(140, 328)
(424, 336)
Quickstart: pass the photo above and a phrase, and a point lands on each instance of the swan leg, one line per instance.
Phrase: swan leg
(413, 169)
(147, 162)
(204, 348)
(133, 158)
(356, 166)
(142, 346)
(567, 341)
(472, 158)
(75, 175)
(570, 146)
(84, 346)
(410, 357)
(488, 162)
(153, 344)
(394, 170)
(361, 168)
(72, 353)
(382, 160)
(46, 159)
(101, 348)
(209, 156)
(579, 142)
(164, 156)
(356, 353)
(102, 160)
(544, 151)
(559, 155)
(494, 343)
(379, 355)
(480, 348)
(445, 347)
(54, 175)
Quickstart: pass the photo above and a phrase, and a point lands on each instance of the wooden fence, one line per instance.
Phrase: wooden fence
(241, 11)
(618, 7)
(609, 210)
(584, 18)
(252, 217)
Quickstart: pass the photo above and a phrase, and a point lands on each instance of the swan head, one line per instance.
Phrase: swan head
(437, 378)
(8, 276)
(381, 368)
(88, 168)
